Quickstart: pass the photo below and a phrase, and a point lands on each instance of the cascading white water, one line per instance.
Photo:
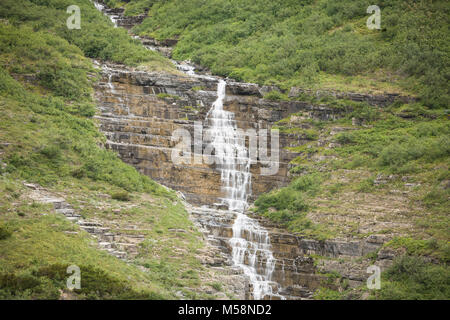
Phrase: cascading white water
(100, 7)
(250, 243)
(230, 156)
(114, 92)
(110, 84)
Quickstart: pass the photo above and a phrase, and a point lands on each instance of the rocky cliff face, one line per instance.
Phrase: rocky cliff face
(303, 265)
(140, 111)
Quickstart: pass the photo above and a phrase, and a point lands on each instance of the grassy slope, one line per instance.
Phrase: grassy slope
(48, 136)
(321, 44)
(96, 38)
(55, 142)
(406, 148)
(326, 44)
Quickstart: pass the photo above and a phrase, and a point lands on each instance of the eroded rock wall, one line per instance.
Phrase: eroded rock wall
(140, 111)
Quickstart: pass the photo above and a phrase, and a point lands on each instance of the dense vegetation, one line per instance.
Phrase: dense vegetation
(48, 136)
(51, 128)
(310, 43)
(96, 38)
(412, 278)
(402, 142)
(46, 283)
(53, 135)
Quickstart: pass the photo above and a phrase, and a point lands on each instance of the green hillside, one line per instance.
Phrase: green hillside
(394, 159)
(311, 43)
(48, 137)
(388, 175)
(327, 45)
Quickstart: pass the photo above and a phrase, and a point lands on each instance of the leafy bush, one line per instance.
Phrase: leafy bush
(419, 247)
(167, 96)
(51, 152)
(345, 138)
(46, 283)
(287, 206)
(395, 144)
(367, 185)
(275, 95)
(217, 286)
(307, 183)
(366, 113)
(5, 233)
(412, 278)
(328, 294)
(26, 286)
(437, 196)
(97, 38)
(408, 149)
(287, 43)
(121, 196)
(282, 199)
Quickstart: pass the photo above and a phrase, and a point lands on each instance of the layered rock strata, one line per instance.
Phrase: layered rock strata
(139, 113)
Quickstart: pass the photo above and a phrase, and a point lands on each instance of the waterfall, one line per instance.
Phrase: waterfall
(230, 154)
(250, 243)
(100, 7)
(110, 84)
(113, 91)
(251, 249)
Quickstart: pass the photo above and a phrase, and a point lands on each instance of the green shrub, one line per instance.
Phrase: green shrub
(51, 152)
(290, 198)
(307, 183)
(167, 96)
(26, 286)
(367, 113)
(46, 283)
(121, 196)
(190, 274)
(345, 138)
(395, 145)
(437, 196)
(397, 154)
(5, 233)
(412, 278)
(335, 188)
(217, 286)
(297, 169)
(287, 206)
(419, 247)
(284, 43)
(327, 294)
(275, 95)
(282, 199)
(367, 185)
